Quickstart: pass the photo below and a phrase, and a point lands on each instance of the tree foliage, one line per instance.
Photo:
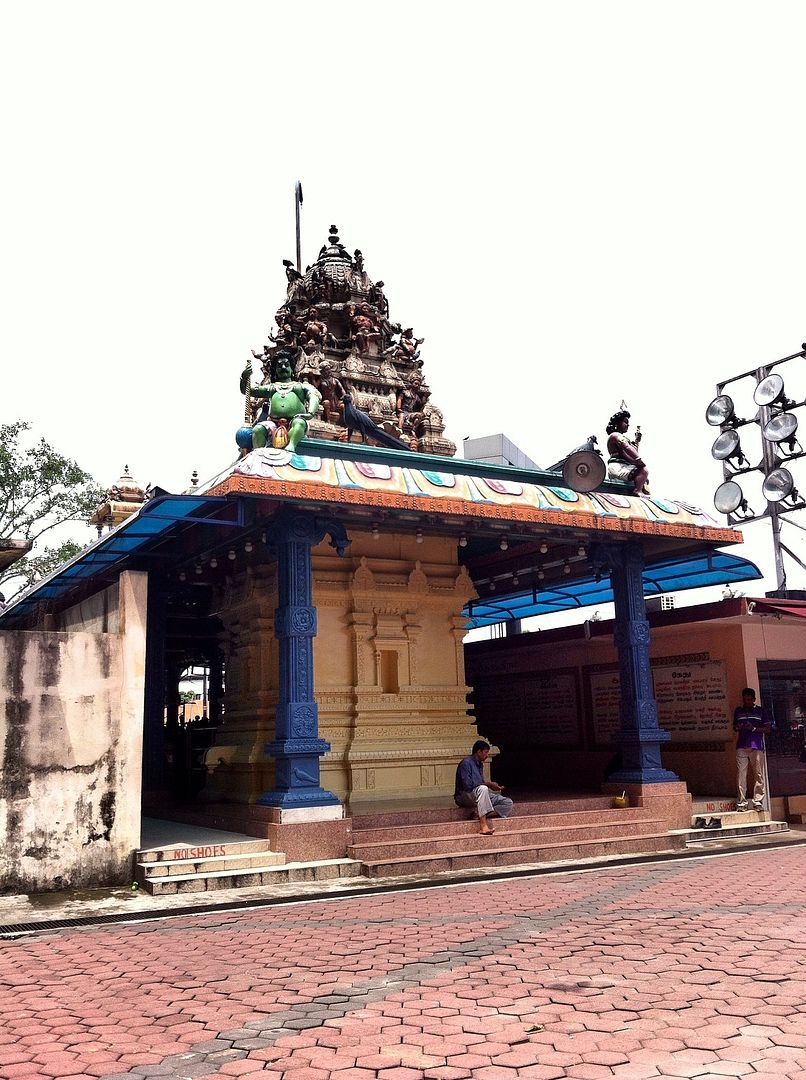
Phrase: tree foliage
(40, 489)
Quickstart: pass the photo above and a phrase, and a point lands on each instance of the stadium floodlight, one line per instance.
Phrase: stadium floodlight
(778, 485)
(720, 411)
(729, 497)
(769, 391)
(726, 446)
(781, 428)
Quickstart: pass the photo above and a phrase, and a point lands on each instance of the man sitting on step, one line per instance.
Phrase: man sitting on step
(474, 792)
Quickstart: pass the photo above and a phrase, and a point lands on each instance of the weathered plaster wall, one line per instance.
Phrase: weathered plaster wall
(71, 707)
(388, 670)
(98, 614)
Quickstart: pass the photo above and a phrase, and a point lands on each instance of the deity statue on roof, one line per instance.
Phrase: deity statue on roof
(284, 408)
(625, 461)
(335, 326)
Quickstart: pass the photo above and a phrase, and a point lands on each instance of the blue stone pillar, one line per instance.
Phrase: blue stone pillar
(640, 737)
(297, 747)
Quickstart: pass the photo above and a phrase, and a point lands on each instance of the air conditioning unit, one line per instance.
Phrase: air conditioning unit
(660, 603)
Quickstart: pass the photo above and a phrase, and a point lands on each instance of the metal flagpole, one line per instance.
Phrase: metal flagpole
(297, 201)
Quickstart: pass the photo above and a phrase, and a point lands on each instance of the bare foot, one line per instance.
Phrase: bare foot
(486, 830)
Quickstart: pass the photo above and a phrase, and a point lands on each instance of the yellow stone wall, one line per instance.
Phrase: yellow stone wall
(388, 669)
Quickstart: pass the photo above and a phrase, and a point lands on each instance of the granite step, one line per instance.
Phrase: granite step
(531, 832)
(210, 881)
(523, 807)
(467, 824)
(499, 853)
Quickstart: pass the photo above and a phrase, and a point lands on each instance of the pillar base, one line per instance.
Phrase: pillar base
(669, 802)
(288, 801)
(643, 776)
(304, 815)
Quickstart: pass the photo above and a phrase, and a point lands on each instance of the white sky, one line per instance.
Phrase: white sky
(573, 202)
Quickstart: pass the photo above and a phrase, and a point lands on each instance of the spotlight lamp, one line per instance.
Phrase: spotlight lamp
(729, 497)
(779, 485)
(721, 412)
(781, 429)
(770, 391)
(726, 446)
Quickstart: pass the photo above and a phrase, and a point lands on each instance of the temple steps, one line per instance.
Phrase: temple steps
(579, 830)
(241, 864)
(734, 824)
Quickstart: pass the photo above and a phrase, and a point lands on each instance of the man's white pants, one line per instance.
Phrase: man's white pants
(755, 759)
(485, 802)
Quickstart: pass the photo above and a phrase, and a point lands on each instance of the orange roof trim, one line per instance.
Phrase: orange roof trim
(363, 483)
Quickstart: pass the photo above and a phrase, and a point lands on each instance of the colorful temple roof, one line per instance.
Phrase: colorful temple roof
(449, 487)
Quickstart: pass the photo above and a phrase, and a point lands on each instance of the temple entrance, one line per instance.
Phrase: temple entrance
(184, 697)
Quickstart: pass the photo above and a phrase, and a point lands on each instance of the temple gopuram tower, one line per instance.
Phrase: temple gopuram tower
(335, 320)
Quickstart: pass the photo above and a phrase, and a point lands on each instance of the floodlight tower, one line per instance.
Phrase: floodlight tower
(777, 422)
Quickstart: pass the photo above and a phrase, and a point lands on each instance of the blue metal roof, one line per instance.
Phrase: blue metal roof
(134, 536)
(670, 575)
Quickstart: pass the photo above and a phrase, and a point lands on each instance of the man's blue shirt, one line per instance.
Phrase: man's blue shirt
(469, 775)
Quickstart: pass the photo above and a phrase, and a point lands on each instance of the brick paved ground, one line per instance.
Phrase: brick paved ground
(691, 969)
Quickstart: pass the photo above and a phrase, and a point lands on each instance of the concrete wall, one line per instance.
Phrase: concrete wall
(71, 722)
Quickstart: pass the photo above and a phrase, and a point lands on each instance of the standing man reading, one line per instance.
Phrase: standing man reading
(474, 792)
(752, 723)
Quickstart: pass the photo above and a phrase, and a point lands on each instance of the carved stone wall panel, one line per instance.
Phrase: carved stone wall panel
(415, 700)
(406, 744)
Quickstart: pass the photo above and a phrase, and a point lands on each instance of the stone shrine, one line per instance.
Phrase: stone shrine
(335, 322)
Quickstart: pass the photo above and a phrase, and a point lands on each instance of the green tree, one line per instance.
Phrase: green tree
(40, 489)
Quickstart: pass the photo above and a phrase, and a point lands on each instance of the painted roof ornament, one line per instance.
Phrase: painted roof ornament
(335, 324)
(122, 500)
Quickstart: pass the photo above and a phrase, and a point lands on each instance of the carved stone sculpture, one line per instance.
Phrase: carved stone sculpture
(335, 325)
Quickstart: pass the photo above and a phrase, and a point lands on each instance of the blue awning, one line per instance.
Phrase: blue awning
(670, 575)
(136, 536)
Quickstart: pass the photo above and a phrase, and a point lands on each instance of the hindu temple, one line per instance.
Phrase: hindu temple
(324, 582)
